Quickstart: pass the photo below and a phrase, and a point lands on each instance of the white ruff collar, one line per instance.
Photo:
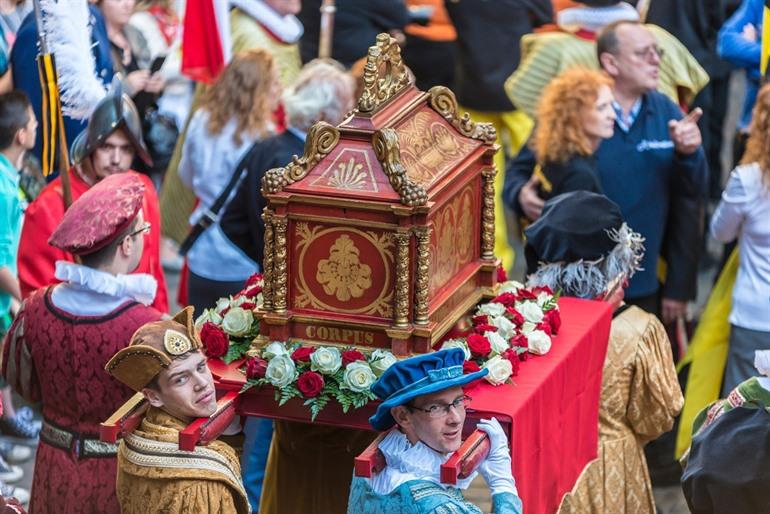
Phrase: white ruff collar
(286, 28)
(410, 462)
(594, 19)
(136, 286)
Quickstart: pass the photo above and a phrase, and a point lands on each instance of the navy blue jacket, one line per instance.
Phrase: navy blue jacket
(26, 76)
(659, 192)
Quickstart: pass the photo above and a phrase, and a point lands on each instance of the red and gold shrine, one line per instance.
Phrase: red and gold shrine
(381, 235)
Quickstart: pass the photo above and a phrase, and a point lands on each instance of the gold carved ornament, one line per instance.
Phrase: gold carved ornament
(443, 101)
(321, 139)
(384, 74)
(386, 148)
(280, 276)
(343, 275)
(267, 261)
(488, 215)
(402, 279)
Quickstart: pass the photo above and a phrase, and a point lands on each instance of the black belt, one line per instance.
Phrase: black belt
(80, 445)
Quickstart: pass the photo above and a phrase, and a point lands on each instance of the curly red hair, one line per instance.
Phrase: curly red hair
(758, 144)
(559, 134)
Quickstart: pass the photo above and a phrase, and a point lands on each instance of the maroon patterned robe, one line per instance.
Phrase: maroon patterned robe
(53, 357)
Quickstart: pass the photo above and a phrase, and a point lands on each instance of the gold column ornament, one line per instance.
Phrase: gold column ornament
(267, 262)
(443, 101)
(488, 214)
(280, 277)
(423, 276)
(401, 318)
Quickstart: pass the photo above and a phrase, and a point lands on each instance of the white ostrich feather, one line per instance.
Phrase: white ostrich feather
(69, 39)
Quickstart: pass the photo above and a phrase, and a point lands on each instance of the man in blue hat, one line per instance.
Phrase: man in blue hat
(424, 399)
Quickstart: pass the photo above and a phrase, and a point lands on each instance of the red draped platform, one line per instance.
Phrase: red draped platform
(551, 410)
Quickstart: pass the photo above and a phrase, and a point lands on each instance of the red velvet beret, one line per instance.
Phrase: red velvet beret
(99, 216)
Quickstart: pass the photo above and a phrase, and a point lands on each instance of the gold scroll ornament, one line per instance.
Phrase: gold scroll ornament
(386, 148)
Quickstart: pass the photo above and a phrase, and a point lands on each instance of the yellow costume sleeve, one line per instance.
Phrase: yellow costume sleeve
(707, 354)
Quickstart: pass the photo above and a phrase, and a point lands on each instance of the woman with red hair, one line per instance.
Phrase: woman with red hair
(574, 115)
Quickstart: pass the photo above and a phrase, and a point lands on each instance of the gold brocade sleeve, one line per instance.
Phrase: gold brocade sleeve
(140, 495)
(655, 396)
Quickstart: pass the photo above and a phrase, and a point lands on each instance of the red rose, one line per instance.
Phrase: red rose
(255, 368)
(515, 316)
(523, 356)
(553, 317)
(507, 299)
(479, 345)
(542, 289)
(310, 384)
(302, 354)
(544, 326)
(214, 340)
(470, 367)
(247, 306)
(520, 340)
(525, 294)
(253, 280)
(502, 276)
(480, 329)
(480, 320)
(349, 356)
(513, 358)
(252, 292)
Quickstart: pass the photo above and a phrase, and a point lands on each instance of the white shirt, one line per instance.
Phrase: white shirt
(744, 212)
(407, 461)
(208, 161)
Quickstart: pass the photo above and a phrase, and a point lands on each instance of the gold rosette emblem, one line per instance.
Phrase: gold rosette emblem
(342, 274)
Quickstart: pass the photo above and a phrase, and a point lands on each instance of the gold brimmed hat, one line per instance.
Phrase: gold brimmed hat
(152, 348)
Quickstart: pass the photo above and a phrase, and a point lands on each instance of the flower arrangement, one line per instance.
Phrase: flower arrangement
(228, 329)
(504, 332)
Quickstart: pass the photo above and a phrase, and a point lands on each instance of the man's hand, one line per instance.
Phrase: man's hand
(155, 83)
(531, 203)
(685, 133)
(749, 33)
(496, 468)
(671, 310)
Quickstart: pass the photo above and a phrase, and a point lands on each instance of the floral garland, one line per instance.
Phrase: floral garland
(502, 334)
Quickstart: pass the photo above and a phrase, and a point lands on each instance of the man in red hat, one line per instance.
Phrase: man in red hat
(106, 147)
(64, 334)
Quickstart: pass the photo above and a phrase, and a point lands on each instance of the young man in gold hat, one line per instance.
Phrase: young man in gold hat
(57, 347)
(164, 362)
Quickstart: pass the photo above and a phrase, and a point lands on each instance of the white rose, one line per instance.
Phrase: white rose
(358, 377)
(527, 328)
(510, 286)
(504, 327)
(281, 371)
(327, 360)
(382, 360)
(500, 370)
(222, 305)
(497, 342)
(491, 309)
(457, 343)
(543, 298)
(531, 312)
(208, 315)
(237, 321)
(539, 342)
(274, 349)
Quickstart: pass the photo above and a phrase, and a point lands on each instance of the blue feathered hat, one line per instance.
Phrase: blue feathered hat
(417, 376)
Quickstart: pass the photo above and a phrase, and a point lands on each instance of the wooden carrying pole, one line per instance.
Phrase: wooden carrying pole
(327, 29)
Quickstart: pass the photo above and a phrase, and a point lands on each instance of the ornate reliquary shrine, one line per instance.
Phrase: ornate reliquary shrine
(381, 235)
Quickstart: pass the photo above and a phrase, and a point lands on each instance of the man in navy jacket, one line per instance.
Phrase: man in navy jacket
(653, 167)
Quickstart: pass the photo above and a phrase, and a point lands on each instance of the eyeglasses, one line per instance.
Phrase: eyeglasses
(144, 228)
(649, 52)
(439, 410)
